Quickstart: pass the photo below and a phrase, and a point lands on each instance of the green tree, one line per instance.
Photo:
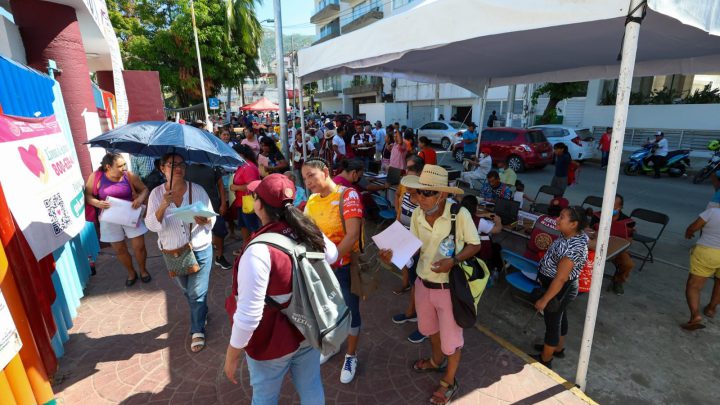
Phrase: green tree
(158, 35)
(557, 93)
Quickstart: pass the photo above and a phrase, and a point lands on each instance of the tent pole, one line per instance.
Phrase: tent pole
(282, 95)
(302, 120)
(482, 116)
(627, 65)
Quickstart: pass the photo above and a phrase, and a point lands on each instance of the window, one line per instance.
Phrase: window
(360, 10)
(426, 126)
(458, 125)
(490, 136)
(535, 137)
(663, 89)
(401, 3)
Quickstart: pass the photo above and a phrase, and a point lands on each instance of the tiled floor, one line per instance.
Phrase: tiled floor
(131, 346)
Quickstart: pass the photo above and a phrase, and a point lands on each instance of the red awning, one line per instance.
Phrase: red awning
(261, 105)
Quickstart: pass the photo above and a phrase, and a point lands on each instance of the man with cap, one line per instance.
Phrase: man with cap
(470, 139)
(431, 223)
(660, 151)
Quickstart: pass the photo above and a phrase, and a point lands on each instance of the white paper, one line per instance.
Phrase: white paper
(400, 240)
(121, 212)
(188, 213)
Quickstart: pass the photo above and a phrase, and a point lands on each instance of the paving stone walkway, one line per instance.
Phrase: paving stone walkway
(131, 346)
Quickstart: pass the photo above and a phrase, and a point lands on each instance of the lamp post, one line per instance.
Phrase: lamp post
(208, 125)
(282, 97)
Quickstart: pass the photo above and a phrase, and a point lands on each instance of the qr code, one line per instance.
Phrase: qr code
(59, 217)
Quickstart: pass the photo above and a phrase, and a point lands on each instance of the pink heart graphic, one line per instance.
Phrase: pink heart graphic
(32, 160)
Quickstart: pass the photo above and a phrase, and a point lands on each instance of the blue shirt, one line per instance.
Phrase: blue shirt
(501, 191)
(472, 146)
(562, 165)
(716, 197)
(300, 196)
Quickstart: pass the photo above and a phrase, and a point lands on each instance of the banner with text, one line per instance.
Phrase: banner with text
(42, 182)
(10, 343)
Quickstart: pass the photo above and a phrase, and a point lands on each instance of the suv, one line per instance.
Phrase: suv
(579, 141)
(444, 133)
(520, 148)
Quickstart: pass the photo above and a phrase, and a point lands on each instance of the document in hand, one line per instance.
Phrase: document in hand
(400, 240)
(121, 212)
(189, 212)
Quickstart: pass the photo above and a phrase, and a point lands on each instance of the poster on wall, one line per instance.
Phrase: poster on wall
(42, 182)
(10, 342)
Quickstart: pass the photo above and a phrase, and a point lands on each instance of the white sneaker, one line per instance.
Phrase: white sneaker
(348, 371)
(324, 358)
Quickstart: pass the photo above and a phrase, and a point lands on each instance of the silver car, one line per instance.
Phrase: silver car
(579, 141)
(442, 132)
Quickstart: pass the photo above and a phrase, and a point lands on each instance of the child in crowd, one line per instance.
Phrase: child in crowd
(519, 195)
(300, 193)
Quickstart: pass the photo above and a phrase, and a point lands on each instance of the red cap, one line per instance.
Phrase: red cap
(562, 202)
(276, 190)
(486, 150)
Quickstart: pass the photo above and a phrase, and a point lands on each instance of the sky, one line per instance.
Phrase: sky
(295, 15)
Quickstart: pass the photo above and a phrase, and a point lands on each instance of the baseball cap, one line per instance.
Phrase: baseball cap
(659, 133)
(275, 190)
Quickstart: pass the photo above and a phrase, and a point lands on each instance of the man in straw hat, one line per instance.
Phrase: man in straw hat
(431, 223)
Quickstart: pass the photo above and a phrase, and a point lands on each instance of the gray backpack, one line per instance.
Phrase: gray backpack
(317, 307)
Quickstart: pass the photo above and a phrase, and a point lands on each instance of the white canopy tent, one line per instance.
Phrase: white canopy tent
(475, 43)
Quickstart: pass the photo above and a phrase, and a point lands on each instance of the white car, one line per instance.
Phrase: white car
(579, 141)
(442, 132)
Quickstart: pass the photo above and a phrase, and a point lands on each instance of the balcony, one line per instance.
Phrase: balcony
(364, 84)
(324, 10)
(328, 32)
(362, 15)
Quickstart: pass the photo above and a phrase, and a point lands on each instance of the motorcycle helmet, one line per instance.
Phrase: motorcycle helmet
(714, 145)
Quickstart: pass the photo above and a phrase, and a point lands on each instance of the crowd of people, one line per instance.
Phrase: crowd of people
(320, 198)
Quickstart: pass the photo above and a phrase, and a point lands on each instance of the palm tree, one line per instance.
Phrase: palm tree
(244, 28)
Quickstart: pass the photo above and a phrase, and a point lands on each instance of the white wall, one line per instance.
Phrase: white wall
(385, 112)
(676, 116)
(11, 44)
(330, 105)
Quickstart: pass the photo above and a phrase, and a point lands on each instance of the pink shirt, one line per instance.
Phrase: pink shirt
(244, 175)
(254, 145)
(397, 156)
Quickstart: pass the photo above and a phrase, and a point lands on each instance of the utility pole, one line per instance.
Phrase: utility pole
(208, 124)
(282, 96)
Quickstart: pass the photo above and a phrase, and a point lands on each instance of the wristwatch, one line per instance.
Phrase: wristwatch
(455, 260)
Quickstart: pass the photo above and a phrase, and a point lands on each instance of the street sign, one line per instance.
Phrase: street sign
(213, 103)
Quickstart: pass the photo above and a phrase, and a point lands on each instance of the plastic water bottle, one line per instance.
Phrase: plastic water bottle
(447, 246)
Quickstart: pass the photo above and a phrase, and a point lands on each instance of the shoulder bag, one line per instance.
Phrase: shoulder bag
(182, 261)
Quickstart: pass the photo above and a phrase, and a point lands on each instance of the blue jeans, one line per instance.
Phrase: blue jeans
(604, 159)
(266, 377)
(351, 300)
(195, 287)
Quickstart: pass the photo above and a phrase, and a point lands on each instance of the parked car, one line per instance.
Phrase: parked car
(579, 141)
(520, 148)
(442, 132)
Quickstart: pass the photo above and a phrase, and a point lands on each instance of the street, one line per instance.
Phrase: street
(640, 354)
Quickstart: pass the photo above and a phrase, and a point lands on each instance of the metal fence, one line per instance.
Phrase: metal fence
(694, 139)
(189, 114)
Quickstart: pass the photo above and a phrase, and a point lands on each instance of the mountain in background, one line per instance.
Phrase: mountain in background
(290, 43)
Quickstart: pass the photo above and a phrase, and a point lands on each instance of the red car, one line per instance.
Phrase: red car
(520, 148)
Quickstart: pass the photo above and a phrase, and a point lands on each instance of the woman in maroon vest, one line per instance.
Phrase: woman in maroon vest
(272, 344)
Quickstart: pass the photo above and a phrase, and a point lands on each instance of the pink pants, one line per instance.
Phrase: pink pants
(434, 314)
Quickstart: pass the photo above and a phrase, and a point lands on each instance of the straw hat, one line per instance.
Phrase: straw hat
(432, 178)
(329, 134)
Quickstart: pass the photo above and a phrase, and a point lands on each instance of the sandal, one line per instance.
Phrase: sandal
(199, 344)
(421, 366)
(130, 281)
(693, 326)
(442, 397)
(402, 290)
(237, 252)
(146, 279)
(710, 313)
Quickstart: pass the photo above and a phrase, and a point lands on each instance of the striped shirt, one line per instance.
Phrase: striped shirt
(406, 209)
(172, 232)
(575, 249)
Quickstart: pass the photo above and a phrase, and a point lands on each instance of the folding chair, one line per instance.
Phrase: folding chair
(542, 208)
(523, 280)
(386, 210)
(649, 242)
(592, 201)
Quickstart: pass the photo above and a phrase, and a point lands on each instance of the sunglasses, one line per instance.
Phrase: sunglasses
(177, 165)
(427, 193)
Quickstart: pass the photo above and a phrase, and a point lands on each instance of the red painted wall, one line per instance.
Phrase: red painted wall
(144, 95)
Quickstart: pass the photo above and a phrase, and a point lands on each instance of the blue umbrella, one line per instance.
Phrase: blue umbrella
(156, 138)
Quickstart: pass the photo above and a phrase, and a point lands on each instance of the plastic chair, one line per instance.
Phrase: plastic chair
(649, 242)
(523, 280)
(592, 201)
(387, 213)
(542, 208)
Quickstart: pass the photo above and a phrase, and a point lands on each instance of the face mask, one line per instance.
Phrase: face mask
(501, 171)
(615, 212)
(434, 209)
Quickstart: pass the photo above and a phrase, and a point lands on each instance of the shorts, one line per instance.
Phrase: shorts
(220, 229)
(434, 314)
(705, 261)
(249, 221)
(110, 233)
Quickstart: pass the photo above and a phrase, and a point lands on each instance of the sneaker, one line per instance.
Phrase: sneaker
(325, 357)
(416, 337)
(402, 318)
(222, 262)
(618, 289)
(348, 371)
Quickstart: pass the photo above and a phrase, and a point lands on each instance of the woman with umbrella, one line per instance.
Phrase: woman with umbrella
(175, 237)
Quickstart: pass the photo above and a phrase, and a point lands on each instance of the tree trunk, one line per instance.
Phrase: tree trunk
(242, 92)
(550, 111)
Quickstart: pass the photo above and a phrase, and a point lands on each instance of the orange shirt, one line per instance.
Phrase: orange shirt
(325, 211)
(429, 156)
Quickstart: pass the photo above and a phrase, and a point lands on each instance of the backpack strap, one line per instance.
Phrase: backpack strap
(454, 210)
(96, 183)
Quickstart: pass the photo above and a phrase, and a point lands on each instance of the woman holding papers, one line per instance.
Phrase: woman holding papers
(174, 234)
(112, 180)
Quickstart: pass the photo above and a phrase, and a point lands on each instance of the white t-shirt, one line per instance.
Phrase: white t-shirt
(485, 226)
(662, 148)
(711, 231)
(518, 196)
(337, 140)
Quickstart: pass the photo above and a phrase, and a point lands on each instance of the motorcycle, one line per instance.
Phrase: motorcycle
(712, 165)
(676, 162)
